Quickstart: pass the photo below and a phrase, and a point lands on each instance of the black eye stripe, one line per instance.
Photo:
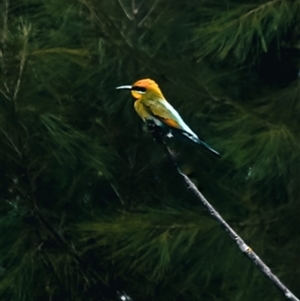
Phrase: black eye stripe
(140, 89)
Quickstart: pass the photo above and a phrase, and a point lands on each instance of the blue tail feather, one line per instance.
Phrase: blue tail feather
(196, 140)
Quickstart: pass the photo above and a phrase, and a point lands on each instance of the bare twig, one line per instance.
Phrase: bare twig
(5, 5)
(117, 193)
(259, 8)
(26, 31)
(5, 94)
(4, 18)
(12, 144)
(126, 12)
(148, 14)
(244, 248)
(140, 4)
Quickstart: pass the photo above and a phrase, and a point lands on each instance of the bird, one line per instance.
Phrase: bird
(151, 105)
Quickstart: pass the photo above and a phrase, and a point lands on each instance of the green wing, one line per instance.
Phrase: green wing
(162, 111)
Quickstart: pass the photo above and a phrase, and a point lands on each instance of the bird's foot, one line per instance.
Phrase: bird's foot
(152, 127)
(155, 130)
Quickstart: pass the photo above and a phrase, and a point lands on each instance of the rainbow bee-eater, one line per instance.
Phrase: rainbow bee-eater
(151, 106)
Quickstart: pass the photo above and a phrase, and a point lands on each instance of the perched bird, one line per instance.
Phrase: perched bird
(151, 105)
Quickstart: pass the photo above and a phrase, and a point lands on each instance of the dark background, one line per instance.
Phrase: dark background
(89, 207)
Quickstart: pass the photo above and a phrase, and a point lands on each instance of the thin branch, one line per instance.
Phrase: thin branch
(4, 18)
(252, 12)
(260, 7)
(5, 5)
(244, 248)
(14, 147)
(4, 94)
(148, 14)
(134, 11)
(128, 15)
(117, 193)
(140, 4)
(26, 31)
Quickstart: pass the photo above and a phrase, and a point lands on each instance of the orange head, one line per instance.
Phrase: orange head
(143, 87)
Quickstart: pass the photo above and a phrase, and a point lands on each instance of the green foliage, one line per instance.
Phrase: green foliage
(246, 30)
(88, 206)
